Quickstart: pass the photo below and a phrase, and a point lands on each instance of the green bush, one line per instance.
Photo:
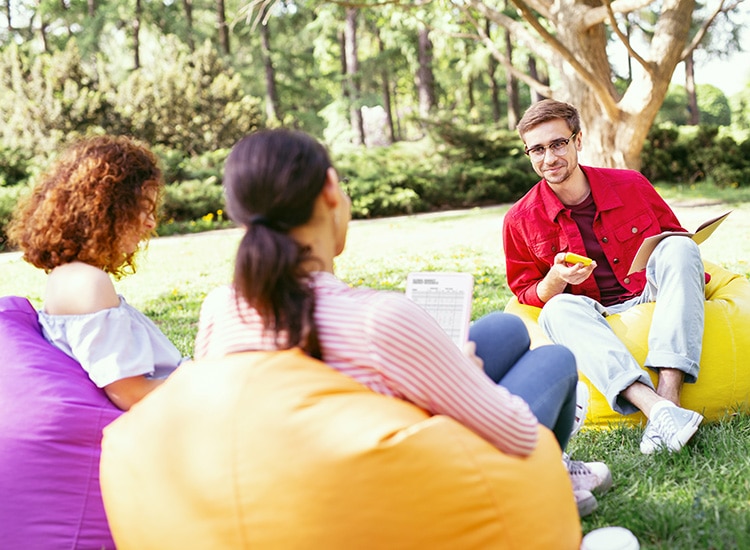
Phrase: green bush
(192, 200)
(191, 101)
(713, 106)
(48, 99)
(8, 199)
(177, 166)
(14, 167)
(692, 154)
(453, 168)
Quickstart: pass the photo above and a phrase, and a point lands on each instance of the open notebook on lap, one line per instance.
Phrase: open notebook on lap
(447, 296)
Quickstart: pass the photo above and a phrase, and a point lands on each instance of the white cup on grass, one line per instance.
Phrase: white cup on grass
(610, 538)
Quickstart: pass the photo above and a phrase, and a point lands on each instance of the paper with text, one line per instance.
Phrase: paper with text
(447, 296)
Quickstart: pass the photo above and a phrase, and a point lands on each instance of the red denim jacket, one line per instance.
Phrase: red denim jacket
(538, 226)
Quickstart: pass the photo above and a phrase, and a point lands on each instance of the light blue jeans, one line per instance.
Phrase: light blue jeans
(676, 283)
(544, 377)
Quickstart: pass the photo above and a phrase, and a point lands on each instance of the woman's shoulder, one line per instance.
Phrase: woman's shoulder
(77, 288)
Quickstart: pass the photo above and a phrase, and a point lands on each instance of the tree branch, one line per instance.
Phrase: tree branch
(594, 16)
(602, 91)
(626, 42)
(248, 11)
(540, 88)
(698, 38)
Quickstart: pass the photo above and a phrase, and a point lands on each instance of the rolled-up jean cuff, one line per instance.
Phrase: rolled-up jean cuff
(618, 385)
(665, 359)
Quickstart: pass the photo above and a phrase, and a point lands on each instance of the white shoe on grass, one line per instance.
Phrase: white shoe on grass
(670, 427)
(588, 476)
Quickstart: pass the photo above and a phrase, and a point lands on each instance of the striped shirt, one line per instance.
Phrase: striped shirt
(391, 345)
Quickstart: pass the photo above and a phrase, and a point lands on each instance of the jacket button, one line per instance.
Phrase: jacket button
(605, 240)
(634, 230)
(616, 261)
(626, 280)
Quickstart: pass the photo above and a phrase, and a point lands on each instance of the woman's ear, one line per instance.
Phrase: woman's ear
(331, 192)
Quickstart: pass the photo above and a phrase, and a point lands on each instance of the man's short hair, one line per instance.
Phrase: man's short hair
(546, 110)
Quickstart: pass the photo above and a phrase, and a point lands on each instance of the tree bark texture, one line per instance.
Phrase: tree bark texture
(352, 75)
(137, 36)
(187, 7)
(221, 22)
(511, 86)
(425, 76)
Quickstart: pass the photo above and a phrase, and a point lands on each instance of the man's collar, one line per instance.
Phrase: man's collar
(604, 195)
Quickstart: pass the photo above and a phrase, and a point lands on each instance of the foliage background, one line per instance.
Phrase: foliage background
(423, 122)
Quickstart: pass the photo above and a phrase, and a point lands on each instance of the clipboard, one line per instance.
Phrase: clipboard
(447, 296)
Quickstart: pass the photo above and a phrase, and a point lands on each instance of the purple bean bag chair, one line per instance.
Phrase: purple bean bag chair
(51, 421)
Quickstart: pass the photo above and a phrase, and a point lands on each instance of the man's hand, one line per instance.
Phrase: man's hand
(562, 274)
(572, 273)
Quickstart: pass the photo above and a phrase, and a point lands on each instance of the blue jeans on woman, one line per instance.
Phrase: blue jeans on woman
(545, 377)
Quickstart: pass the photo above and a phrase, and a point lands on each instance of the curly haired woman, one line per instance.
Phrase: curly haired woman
(82, 223)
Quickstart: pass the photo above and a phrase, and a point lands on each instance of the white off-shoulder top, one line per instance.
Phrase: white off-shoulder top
(113, 343)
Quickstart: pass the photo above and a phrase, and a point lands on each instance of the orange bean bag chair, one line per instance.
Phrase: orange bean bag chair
(277, 450)
(723, 384)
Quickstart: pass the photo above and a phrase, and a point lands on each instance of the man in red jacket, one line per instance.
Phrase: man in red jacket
(605, 214)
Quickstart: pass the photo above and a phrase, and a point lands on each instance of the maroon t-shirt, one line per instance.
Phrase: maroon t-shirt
(612, 292)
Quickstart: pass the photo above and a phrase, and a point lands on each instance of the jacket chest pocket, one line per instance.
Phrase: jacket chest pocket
(545, 250)
(638, 227)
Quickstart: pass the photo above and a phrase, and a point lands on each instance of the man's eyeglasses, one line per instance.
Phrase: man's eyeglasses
(559, 148)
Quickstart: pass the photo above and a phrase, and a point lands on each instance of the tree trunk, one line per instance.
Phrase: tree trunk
(535, 75)
(9, 16)
(187, 7)
(613, 128)
(352, 75)
(43, 34)
(511, 86)
(494, 87)
(221, 22)
(386, 87)
(272, 97)
(136, 36)
(425, 77)
(470, 96)
(694, 115)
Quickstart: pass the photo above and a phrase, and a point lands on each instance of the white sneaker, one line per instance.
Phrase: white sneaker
(582, 407)
(670, 427)
(588, 476)
(586, 502)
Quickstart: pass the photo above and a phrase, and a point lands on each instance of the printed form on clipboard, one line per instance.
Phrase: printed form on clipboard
(447, 296)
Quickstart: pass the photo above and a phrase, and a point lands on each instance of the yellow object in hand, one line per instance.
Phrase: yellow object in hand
(572, 258)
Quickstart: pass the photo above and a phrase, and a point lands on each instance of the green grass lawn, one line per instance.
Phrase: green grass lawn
(697, 499)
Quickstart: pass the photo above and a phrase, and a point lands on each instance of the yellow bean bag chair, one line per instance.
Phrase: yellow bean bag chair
(723, 384)
(278, 451)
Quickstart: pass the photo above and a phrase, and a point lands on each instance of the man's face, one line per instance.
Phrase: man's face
(548, 163)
